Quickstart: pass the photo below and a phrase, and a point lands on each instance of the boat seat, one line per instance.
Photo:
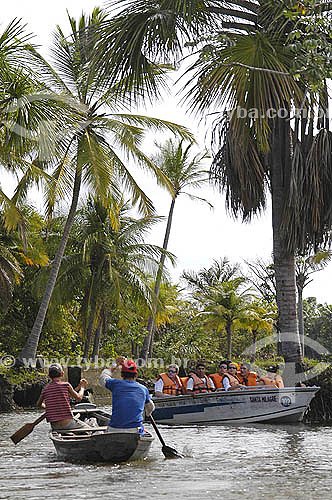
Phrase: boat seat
(82, 430)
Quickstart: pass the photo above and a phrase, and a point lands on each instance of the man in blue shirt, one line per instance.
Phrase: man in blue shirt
(129, 398)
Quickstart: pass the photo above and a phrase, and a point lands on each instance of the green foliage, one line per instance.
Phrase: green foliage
(310, 40)
(21, 375)
(318, 323)
(185, 337)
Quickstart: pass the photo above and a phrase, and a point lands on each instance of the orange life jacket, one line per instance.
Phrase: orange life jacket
(199, 385)
(217, 380)
(233, 380)
(250, 381)
(184, 381)
(170, 385)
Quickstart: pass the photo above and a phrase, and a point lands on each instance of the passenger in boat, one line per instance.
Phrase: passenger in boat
(218, 377)
(230, 380)
(271, 378)
(129, 398)
(199, 382)
(169, 384)
(55, 397)
(247, 377)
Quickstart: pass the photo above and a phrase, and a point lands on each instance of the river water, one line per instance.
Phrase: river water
(256, 461)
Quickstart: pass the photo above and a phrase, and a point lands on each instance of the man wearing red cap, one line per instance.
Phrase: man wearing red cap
(129, 398)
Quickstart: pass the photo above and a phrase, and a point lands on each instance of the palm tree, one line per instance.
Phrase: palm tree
(226, 307)
(262, 319)
(89, 151)
(10, 275)
(26, 104)
(17, 250)
(247, 64)
(111, 266)
(183, 172)
(220, 271)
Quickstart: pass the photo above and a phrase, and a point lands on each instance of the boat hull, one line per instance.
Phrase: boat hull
(96, 445)
(235, 407)
(103, 447)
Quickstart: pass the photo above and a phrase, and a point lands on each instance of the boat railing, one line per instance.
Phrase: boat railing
(237, 392)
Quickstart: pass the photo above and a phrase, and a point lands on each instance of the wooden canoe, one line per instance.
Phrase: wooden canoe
(97, 446)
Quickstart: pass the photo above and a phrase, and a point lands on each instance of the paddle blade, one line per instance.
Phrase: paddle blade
(170, 452)
(22, 433)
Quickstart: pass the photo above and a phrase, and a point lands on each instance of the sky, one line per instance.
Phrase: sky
(199, 234)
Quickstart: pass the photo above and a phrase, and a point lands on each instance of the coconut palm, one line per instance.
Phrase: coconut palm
(10, 275)
(184, 172)
(221, 270)
(17, 252)
(226, 307)
(247, 63)
(108, 267)
(89, 151)
(26, 104)
(262, 319)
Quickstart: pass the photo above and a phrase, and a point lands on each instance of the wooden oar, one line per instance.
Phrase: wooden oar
(26, 429)
(167, 450)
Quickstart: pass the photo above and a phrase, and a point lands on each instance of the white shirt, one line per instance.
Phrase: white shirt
(190, 383)
(226, 383)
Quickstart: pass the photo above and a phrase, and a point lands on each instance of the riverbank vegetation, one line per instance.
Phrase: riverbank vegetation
(83, 282)
(223, 311)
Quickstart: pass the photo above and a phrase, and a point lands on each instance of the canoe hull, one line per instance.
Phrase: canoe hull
(103, 447)
(235, 407)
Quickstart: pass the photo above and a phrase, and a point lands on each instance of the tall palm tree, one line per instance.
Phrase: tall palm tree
(108, 267)
(221, 270)
(183, 172)
(246, 63)
(225, 307)
(89, 151)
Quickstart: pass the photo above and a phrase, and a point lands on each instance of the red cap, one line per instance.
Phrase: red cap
(129, 366)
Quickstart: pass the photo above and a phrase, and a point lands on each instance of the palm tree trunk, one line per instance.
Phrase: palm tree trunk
(254, 346)
(28, 354)
(229, 339)
(284, 259)
(91, 307)
(147, 342)
(300, 315)
(96, 342)
(89, 334)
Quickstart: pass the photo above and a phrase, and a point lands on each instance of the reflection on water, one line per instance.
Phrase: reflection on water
(257, 461)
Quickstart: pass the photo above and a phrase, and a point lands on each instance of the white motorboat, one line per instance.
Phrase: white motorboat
(256, 404)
